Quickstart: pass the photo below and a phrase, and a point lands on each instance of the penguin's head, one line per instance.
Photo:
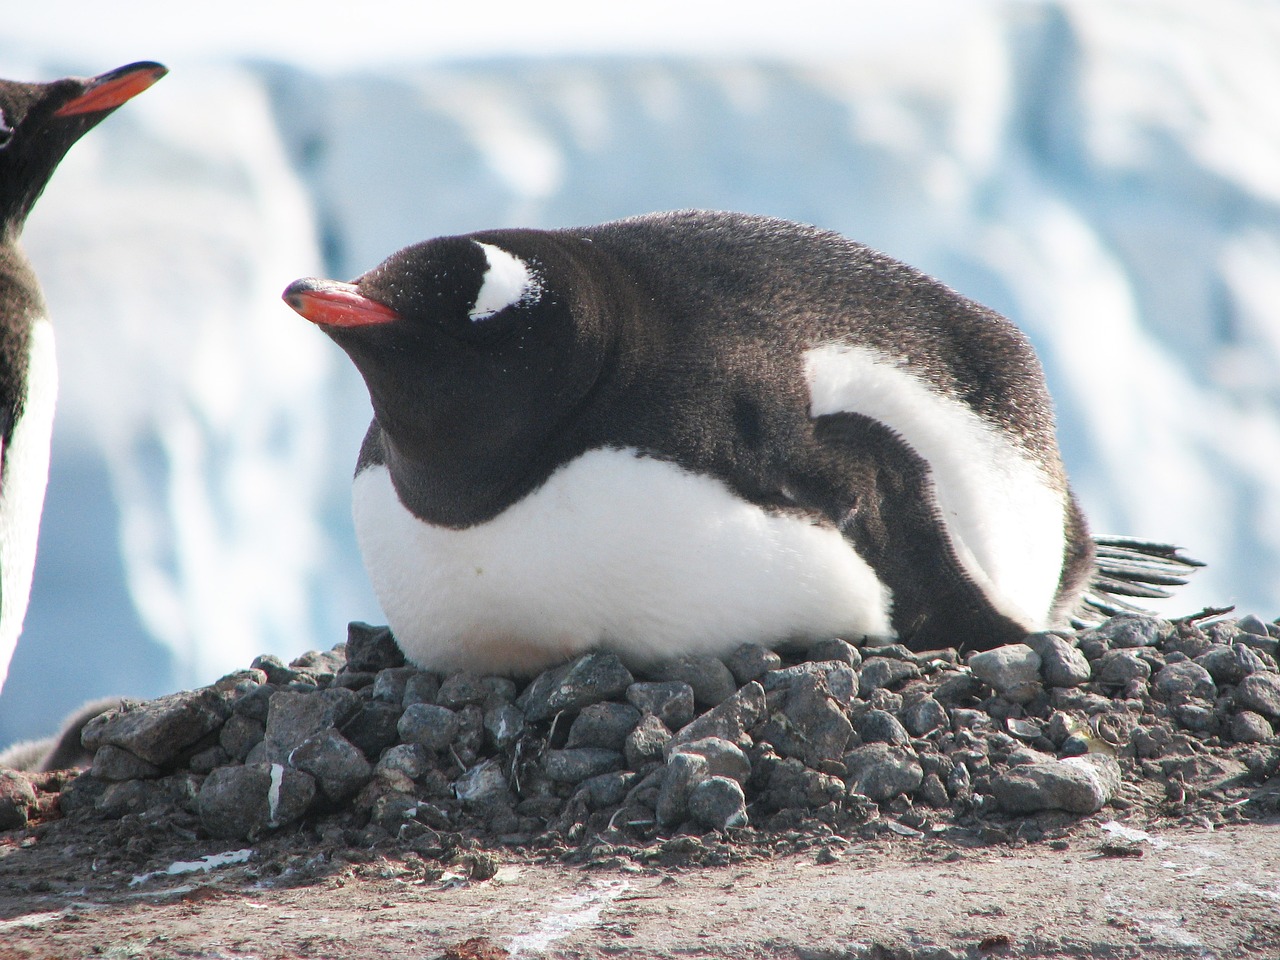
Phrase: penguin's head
(40, 121)
(472, 347)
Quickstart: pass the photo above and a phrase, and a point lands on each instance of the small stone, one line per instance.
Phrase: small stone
(670, 701)
(373, 728)
(17, 799)
(421, 687)
(158, 730)
(410, 759)
(881, 771)
(294, 716)
(840, 679)
(1252, 624)
(115, 764)
(750, 662)
(240, 734)
(338, 766)
(880, 726)
(718, 803)
(255, 703)
(1197, 714)
(371, 648)
(432, 726)
(243, 803)
(684, 771)
(1079, 785)
(1250, 727)
(959, 688)
(503, 725)
(1182, 681)
(730, 720)
(646, 741)
(1259, 692)
(723, 758)
(933, 792)
(810, 725)
(834, 648)
(607, 789)
(1061, 662)
(604, 725)
(878, 672)
(570, 687)
(923, 715)
(1006, 668)
(389, 684)
(1228, 664)
(576, 765)
(1118, 668)
(1129, 630)
(482, 785)
(462, 690)
(711, 680)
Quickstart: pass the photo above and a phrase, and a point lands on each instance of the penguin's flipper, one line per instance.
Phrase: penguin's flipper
(1129, 567)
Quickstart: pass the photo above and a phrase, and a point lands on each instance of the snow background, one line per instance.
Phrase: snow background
(1105, 173)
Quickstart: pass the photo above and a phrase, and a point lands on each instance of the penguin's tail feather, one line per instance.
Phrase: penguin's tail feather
(1130, 568)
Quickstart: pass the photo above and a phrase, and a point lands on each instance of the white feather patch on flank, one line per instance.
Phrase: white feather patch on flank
(507, 281)
(26, 474)
(614, 550)
(1002, 515)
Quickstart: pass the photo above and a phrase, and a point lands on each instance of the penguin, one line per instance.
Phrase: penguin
(679, 432)
(38, 124)
(63, 750)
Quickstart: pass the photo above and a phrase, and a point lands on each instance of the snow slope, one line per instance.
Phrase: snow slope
(1108, 175)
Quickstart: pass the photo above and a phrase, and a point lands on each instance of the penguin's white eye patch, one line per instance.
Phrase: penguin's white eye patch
(507, 281)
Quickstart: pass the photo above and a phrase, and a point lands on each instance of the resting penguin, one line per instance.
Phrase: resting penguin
(679, 432)
(38, 124)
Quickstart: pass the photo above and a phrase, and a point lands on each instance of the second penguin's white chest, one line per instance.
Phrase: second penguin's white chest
(615, 550)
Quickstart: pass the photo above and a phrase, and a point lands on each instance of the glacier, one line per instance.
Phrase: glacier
(1107, 175)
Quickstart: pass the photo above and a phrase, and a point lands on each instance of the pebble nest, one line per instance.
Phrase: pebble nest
(590, 761)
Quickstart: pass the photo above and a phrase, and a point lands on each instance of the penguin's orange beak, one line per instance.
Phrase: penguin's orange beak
(108, 91)
(336, 304)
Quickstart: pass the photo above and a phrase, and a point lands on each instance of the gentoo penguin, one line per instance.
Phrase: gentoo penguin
(63, 750)
(679, 432)
(38, 124)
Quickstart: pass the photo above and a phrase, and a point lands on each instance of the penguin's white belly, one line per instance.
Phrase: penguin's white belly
(26, 474)
(617, 551)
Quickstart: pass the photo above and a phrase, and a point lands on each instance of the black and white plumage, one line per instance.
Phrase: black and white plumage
(680, 432)
(38, 124)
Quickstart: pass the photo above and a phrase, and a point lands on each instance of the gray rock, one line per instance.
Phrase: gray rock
(339, 768)
(670, 701)
(646, 741)
(370, 648)
(923, 715)
(482, 785)
(751, 662)
(17, 799)
(881, 771)
(1128, 631)
(1228, 664)
(1252, 624)
(711, 680)
(240, 734)
(684, 771)
(589, 679)
(294, 716)
(421, 687)
(1118, 668)
(933, 792)
(1181, 681)
(389, 684)
(604, 725)
(373, 728)
(430, 725)
(809, 723)
(958, 688)
(1079, 785)
(1197, 714)
(841, 679)
(607, 789)
(460, 690)
(158, 730)
(410, 759)
(115, 763)
(718, 803)
(730, 720)
(1249, 727)
(243, 803)
(255, 703)
(1259, 692)
(1061, 662)
(880, 726)
(723, 758)
(580, 763)
(1006, 668)
(503, 725)
(834, 648)
(878, 672)
(787, 783)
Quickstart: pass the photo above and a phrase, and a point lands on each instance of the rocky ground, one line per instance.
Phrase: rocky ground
(350, 774)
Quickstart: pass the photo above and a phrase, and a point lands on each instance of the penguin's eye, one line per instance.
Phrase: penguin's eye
(508, 281)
